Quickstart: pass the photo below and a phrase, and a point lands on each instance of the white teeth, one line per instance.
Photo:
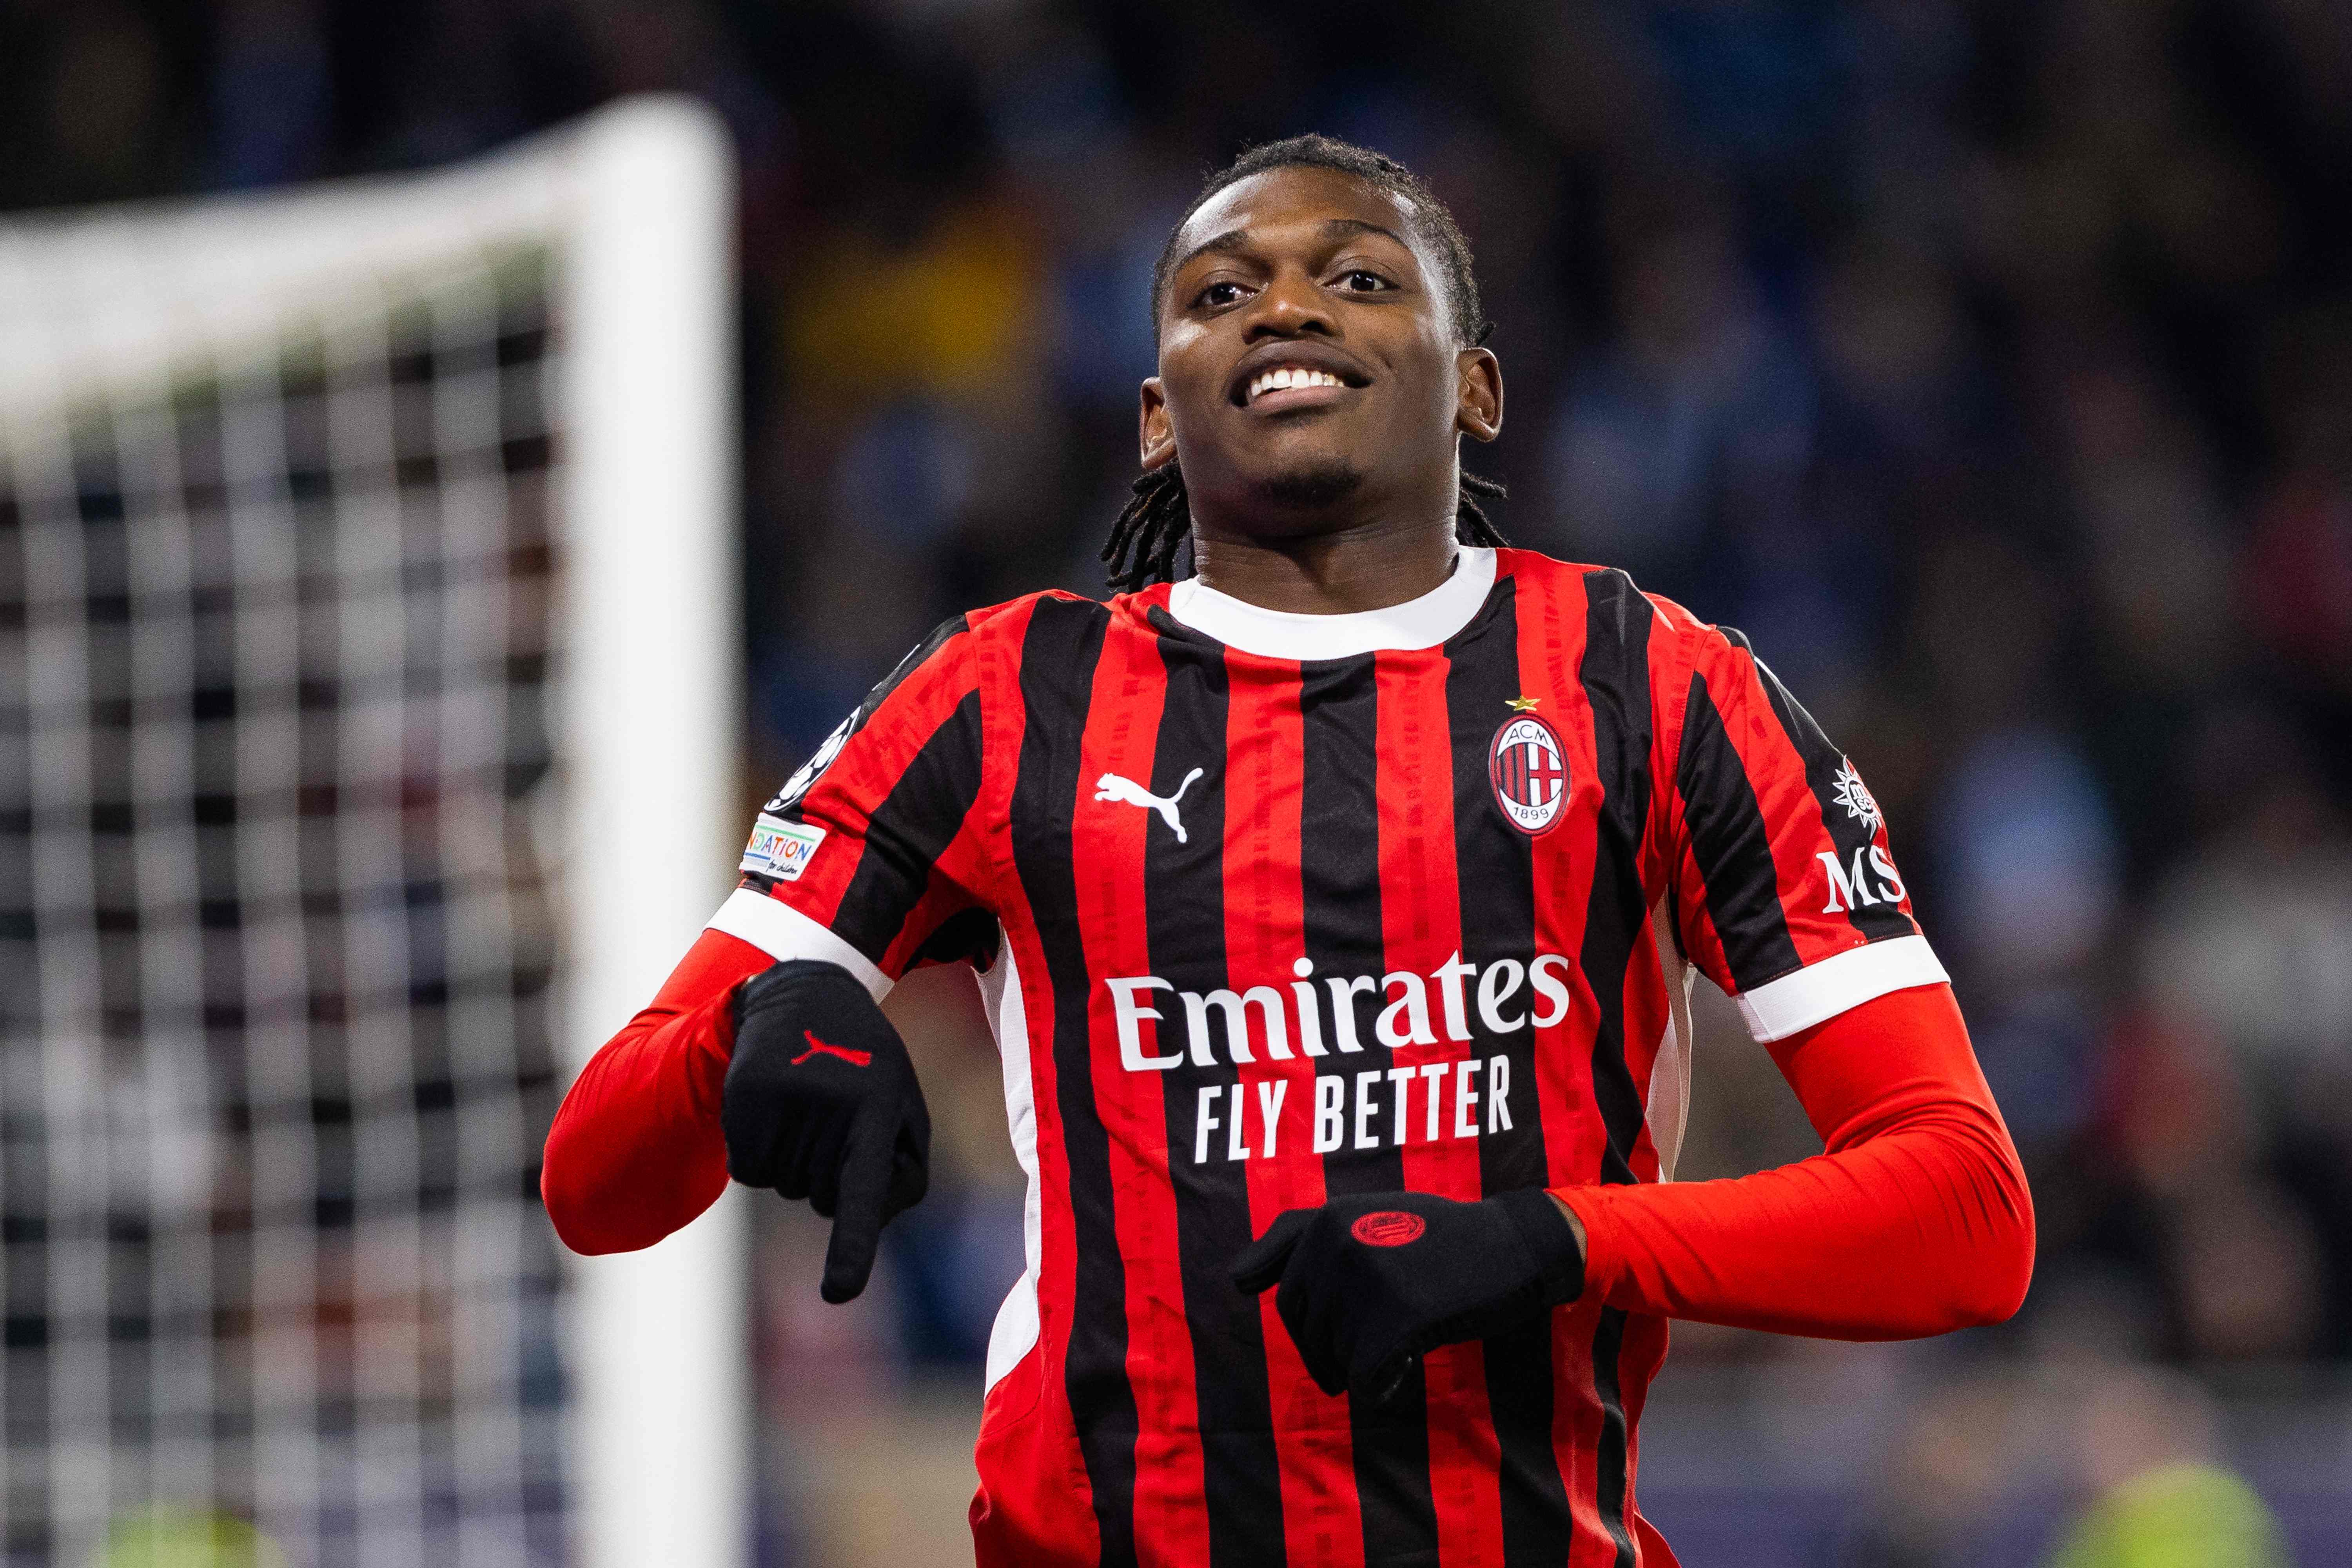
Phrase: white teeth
(1282, 378)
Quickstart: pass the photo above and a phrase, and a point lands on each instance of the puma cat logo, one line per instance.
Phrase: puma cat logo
(1126, 792)
(855, 1058)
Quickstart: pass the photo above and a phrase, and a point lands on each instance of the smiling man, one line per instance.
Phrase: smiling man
(1334, 908)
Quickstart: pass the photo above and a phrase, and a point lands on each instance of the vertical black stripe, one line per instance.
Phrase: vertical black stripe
(1340, 889)
(1495, 871)
(786, 802)
(1611, 1459)
(1184, 918)
(1057, 665)
(910, 830)
(1733, 847)
(1616, 677)
(1850, 833)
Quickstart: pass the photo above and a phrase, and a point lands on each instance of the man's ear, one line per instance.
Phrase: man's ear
(1478, 408)
(1155, 436)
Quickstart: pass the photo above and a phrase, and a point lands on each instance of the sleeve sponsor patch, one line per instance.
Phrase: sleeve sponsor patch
(781, 849)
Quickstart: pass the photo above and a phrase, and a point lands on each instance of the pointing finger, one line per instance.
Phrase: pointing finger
(858, 1215)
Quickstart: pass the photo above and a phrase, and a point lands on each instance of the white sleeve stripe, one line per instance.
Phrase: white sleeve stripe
(782, 933)
(1779, 1008)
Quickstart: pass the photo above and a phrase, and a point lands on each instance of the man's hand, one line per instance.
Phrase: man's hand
(1371, 1283)
(821, 1102)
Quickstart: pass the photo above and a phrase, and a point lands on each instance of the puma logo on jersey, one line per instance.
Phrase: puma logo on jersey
(1126, 792)
(855, 1058)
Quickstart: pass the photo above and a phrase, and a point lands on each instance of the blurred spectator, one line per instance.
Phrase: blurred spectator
(2028, 855)
(1990, 364)
(1700, 392)
(2161, 1497)
(1947, 1471)
(272, 95)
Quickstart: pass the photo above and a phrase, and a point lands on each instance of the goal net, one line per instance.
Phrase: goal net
(365, 757)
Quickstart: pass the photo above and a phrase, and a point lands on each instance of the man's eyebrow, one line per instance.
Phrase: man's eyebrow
(1235, 239)
(1340, 227)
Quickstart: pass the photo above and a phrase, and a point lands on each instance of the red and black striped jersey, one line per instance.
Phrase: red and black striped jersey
(1269, 908)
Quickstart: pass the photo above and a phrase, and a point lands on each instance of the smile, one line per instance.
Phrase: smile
(1283, 385)
(1282, 376)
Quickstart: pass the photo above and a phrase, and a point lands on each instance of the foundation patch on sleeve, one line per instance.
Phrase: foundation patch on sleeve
(781, 849)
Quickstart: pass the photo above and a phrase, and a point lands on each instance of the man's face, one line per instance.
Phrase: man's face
(1309, 370)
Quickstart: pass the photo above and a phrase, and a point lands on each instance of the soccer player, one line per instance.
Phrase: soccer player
(1335, 908)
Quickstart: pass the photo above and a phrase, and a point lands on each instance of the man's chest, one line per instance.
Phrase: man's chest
(1234, 819)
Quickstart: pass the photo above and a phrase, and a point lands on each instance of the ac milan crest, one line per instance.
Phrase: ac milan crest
(1529, 767)
(1389, 1227)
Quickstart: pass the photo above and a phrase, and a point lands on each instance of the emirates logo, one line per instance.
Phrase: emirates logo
(1388, 1227)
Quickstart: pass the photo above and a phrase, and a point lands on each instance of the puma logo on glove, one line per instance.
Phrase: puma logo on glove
(818, 1047)
(856, 1145)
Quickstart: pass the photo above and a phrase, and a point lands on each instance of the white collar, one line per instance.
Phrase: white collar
(1417, 623)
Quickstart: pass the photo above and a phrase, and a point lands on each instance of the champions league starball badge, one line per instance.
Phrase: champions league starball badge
(1529, 768)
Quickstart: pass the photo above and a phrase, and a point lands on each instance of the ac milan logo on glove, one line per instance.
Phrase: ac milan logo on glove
(1389, 1227)
(1530, 770)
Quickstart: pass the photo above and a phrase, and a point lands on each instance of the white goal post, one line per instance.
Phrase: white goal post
(313, 505)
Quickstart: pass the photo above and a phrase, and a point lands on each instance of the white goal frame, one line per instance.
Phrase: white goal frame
(636, 203)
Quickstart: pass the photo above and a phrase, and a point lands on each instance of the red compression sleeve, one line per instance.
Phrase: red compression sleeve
(635, 1152)
(1915, 1221)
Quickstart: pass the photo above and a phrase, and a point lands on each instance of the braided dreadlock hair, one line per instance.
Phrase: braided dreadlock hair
(1145, 540)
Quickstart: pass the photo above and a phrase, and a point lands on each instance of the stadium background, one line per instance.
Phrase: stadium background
(1990, 364)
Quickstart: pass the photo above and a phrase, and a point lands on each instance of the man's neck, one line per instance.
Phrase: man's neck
(1368, 567)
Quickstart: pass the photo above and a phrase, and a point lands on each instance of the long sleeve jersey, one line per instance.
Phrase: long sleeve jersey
(1271, 908)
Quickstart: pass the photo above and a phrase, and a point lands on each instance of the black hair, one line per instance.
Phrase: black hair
(1143, 542)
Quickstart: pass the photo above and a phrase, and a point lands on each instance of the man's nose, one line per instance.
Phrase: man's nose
(1291, 303)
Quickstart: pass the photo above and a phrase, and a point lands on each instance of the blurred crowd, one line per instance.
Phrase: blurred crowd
(1989, 362)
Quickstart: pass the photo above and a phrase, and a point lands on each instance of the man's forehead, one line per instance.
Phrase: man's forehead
(1283, 197)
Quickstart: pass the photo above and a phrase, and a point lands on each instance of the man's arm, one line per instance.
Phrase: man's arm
(783, 1075)
(852, 870)
(1915, 1221)
(637, 1150)
(1784, 890)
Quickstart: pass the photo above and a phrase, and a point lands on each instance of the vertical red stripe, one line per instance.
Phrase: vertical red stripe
(1121, 734)
(1265, 934)
(1644, 1355)
(1421, 920)
(1552, 627)
(1667, 861)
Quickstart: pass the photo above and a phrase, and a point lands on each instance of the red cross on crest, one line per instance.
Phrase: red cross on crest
(1529, 768)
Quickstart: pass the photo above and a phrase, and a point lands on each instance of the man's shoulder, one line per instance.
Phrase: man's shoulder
(1612, 603)
(1005, 624)
(1552, 574)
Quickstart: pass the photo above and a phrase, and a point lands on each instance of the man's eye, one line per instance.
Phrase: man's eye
(1221, 293)
(1359, 281)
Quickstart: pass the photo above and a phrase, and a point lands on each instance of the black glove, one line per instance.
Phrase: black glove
(821, 1103)
(1370, 1283)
